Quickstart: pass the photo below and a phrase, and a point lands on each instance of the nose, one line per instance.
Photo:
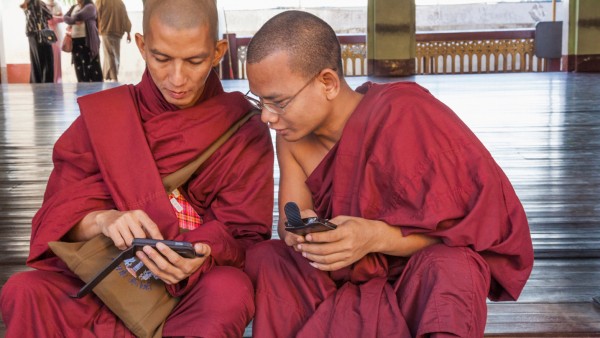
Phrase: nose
(177, 76)
(267, 117)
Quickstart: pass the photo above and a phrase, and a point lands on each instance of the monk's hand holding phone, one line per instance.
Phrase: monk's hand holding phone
(352, 240)
(172, 261)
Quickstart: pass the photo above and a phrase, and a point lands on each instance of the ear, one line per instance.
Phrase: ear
(141, 44)
(331, 82)
(220, 50)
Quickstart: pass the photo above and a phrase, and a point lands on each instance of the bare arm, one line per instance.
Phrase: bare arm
(121, 226)
(291, 188)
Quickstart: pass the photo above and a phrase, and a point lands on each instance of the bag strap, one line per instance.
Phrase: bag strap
(87, 288)
(179, 177)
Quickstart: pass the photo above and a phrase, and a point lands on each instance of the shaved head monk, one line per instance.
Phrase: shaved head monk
(107, 180)
(428, 225)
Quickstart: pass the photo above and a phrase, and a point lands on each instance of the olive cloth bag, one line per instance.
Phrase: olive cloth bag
(143, 305)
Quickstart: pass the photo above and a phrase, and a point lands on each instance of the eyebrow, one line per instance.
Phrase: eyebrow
(272, 97)
(202, 55)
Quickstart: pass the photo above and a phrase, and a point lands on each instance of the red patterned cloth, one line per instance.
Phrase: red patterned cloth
(186, 215)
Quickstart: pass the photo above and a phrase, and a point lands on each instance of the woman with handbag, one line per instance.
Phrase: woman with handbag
(40, 50)
(82, 18)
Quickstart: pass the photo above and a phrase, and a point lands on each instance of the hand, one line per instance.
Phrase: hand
(168, 265)
(291, 239)
(123, 226)
(335, 249)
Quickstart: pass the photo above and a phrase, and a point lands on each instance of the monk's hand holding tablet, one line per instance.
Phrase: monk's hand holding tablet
(123, 226)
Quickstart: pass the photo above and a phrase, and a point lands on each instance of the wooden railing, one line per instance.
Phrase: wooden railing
(477, 52)
(436, 53)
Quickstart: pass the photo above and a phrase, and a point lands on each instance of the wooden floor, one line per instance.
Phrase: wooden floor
(543, 129)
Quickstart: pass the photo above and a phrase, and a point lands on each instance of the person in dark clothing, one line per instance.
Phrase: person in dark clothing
(40, 52)
(82, 18)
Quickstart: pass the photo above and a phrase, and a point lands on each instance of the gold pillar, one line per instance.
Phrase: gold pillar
(582, 36)
(391, 43)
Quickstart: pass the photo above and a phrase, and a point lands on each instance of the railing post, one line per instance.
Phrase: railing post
(230, 60)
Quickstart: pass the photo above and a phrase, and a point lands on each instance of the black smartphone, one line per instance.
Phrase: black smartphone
(184, 249)
(309, 225)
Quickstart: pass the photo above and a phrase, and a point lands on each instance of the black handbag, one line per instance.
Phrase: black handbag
(48, 36)
(45, 34)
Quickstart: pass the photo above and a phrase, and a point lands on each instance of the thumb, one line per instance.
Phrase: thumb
(202, 249)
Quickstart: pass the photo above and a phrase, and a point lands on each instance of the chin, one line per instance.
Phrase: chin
(291, 138)
(181, 104)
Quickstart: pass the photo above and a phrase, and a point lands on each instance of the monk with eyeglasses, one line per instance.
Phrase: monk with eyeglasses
(428, 225)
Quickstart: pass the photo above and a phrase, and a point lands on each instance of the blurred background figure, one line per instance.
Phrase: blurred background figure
(57, 17)
(40, 53)
(82, 18)
(113, 23)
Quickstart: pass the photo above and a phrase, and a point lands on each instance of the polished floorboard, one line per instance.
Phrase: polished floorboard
(543, 129)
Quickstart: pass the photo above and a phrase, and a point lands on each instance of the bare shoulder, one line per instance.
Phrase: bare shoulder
(306, 154)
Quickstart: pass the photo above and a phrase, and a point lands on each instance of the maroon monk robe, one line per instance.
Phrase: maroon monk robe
(406, 159)
(101, 163)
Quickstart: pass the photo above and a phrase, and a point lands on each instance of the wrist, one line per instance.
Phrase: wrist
(380, 237)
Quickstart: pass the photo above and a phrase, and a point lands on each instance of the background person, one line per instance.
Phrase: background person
(40, 52)
(86, 41)
(113, 23)
(57, 18)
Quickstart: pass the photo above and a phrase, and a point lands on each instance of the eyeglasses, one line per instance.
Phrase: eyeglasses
(275, 108)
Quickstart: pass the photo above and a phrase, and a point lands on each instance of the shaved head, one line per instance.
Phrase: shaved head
(182, 14)
(309, 41)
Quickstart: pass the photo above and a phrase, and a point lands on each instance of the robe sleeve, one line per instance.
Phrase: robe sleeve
(75, 188)
(453, 189)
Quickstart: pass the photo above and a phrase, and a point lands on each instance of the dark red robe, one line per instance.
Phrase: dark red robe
(112, 158)
(406, 159)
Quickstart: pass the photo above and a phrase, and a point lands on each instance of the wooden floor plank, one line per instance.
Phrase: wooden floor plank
(543, 129)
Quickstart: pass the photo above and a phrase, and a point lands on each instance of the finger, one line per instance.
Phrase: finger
(156, 263)
(340, 219)
(137, 229)
(308, 213)
(293, 239)
(117, 238)
(328, 267)
(128, 235)
(320, 248)
(149, 226)
(173, 257)
(325, 236)
(327, 259)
